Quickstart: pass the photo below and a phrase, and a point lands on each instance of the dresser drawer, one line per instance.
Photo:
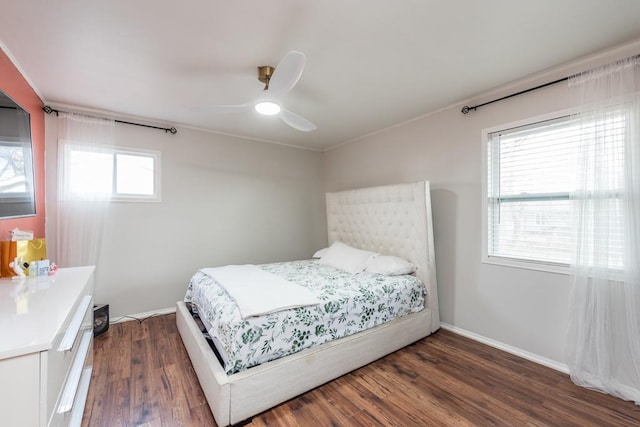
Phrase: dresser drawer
(64, 363)
(20, 379)
(69, 408)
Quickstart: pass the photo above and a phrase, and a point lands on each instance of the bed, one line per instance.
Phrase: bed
(393, 220)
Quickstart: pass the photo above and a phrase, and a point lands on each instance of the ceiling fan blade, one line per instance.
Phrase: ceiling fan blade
(287, 73)
(296, 122)
(224, 109)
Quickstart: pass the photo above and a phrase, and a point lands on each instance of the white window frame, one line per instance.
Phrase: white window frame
(551, 267)
(156, 196)
(115, 197)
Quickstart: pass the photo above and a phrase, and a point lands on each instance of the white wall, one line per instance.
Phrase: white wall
(224, 200)
(520, 308)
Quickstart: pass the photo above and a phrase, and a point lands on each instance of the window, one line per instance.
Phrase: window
(531, 176)
(16, 177)
(119, 174)
(17, 191)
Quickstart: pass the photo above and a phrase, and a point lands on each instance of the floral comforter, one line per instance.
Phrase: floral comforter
(350, 303)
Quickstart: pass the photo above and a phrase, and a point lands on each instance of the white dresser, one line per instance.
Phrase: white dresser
(46, 345)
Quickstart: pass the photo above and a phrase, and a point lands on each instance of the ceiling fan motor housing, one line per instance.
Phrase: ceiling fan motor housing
(264, 74)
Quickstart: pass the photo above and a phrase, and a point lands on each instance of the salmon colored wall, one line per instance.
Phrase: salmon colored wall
(17, 88)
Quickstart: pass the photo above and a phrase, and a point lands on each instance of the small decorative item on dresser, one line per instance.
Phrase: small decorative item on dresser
(16, 266)
(17, 234)
(42, 267)
(32, 250)
(29, 250)
(33, 269)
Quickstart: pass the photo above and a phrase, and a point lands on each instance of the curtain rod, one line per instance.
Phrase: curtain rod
(171, 130)
(466, 109)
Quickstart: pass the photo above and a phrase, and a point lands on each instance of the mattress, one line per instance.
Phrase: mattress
(350, 303)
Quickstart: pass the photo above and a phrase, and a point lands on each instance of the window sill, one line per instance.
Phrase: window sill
(528, 265)
(142, 199)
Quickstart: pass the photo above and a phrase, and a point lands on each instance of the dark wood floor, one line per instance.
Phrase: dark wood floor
(142, 377)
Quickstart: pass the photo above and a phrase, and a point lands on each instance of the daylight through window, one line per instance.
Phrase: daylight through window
(532, 174)
(120, 174)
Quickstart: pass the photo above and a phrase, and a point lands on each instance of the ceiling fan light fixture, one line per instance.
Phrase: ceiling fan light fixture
(267, 108)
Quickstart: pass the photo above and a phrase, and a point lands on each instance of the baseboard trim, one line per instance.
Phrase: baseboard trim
(509, 349)
(140, 316)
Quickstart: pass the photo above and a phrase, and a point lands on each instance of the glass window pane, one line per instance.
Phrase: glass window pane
(536, 159)
(135, 174)
(90, 172)
(533, 170)
(538, 230)
(13, 177)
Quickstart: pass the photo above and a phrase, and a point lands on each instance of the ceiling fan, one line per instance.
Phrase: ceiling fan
(278, 81)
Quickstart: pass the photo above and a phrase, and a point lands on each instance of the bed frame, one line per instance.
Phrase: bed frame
(394, 220)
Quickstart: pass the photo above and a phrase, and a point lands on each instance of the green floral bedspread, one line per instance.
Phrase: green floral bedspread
(350, 303)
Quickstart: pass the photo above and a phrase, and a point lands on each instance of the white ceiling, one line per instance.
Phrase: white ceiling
(370, 63)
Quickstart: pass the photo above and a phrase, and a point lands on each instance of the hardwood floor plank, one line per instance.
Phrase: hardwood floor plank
(463, 398)
(143, 377)
(117, 401)
(192, 390)
(468, 400)
(528, 386)
(363, 419)
(155, 423)
(115, 346)
(145, 387)
(142, 332)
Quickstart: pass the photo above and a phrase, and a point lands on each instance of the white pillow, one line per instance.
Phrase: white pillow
(347, 258)
(390, 266)
(319, 253)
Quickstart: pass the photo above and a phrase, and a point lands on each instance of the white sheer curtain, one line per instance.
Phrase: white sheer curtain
(81, 206)
(603, 349)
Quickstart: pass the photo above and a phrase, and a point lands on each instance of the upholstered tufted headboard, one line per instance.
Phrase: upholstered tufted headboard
(392, 220)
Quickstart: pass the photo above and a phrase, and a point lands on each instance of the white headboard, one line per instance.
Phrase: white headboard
(392, 220)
